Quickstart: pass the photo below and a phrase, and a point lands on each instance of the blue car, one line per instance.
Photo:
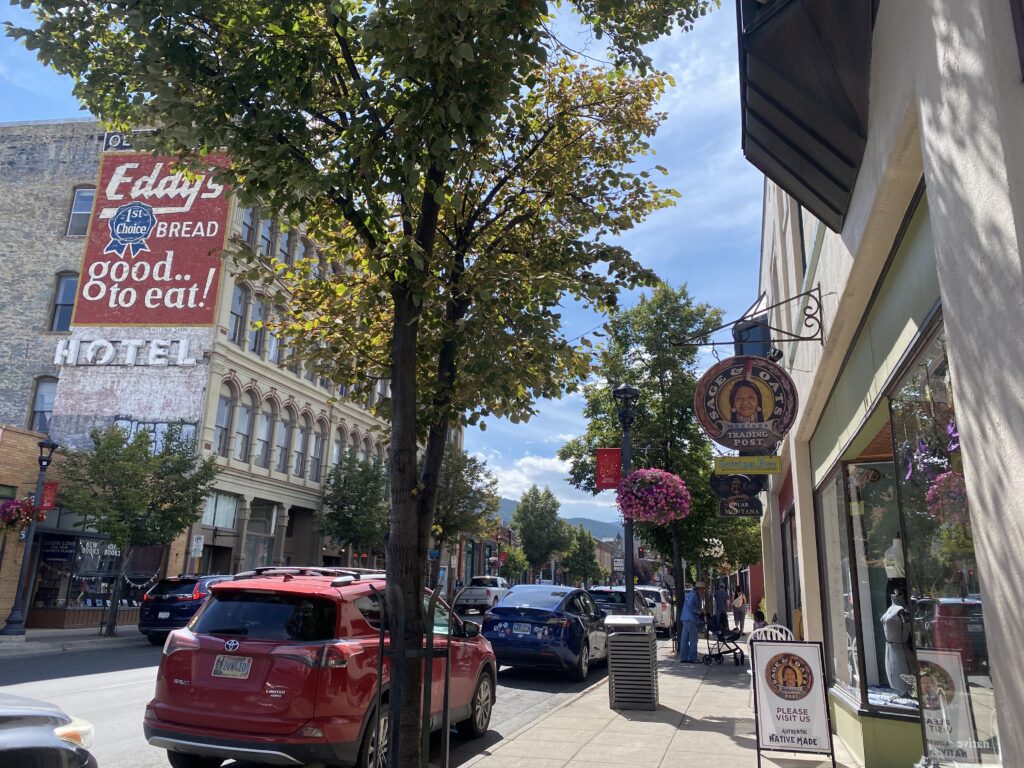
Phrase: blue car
(541, 625)
(171, 603)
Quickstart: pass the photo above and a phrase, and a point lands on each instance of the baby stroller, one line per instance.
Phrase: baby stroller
(721, 642)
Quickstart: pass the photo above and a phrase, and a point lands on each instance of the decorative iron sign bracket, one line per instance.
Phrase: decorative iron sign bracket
(811, 329)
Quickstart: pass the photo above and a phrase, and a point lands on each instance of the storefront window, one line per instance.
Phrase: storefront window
(837, 585)
(954, 685)
(259, 538)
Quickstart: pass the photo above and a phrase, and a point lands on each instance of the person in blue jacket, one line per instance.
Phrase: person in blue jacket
(688, 618)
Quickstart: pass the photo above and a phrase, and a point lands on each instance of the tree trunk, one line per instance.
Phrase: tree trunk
(110, 629)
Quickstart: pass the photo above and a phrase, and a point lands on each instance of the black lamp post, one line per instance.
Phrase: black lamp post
(625, 402)
(16, 620)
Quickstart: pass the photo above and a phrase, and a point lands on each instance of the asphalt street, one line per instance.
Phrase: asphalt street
(110, 688)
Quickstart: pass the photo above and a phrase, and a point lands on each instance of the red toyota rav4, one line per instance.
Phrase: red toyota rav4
(280, 667)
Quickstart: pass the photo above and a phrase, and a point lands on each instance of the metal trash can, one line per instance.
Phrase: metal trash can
(632, 662)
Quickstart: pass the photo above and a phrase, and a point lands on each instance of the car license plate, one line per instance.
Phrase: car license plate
(521, 629)
(164, 615)
(232, 666)
(975, 628)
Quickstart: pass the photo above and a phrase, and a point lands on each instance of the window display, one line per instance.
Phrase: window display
(954, 685)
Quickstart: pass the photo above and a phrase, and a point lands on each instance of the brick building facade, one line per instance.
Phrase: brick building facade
(274, 426)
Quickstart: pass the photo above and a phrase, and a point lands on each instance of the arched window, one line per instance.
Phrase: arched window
(366, 451)
(337, 447)
(266, 243)
(283, 439)
(239, 309)
(81, 210)
(275, 351)
(301, 447)
(222, 424)
(257, 334)
(250, 216)
(42, 404)
(63, 301)
(353, 443)
(380, 452)
(285, 246)
(316, 453)
(264, 435)
(243, 430)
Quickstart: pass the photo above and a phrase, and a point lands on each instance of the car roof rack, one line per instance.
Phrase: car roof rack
(294, 570)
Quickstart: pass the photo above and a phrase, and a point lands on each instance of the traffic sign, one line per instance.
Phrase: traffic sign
(197, 546)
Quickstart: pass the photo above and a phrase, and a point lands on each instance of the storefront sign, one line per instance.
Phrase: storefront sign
(155, 239)
(609, 468)
(790, 707)
(128, 352)
(748, 465)
(746, 403)
(948, 724)
(742, 507)
(58, 549)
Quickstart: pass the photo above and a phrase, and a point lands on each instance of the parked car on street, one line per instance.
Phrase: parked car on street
(661, 608)
(280, 668)
(541, 625)
(613, 601)
(172, 602)
(482, 592)
(36, 734)
(952, 624)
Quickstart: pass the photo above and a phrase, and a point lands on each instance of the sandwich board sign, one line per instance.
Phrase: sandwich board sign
(790, 706)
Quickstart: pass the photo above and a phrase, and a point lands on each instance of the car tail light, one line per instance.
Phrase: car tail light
(338, 655)
(487, 592)
(77, 732)
(664, 606)
(180, 640)
(146, 598)
(307, 654)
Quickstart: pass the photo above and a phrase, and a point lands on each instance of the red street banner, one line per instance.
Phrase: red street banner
(153, 253)
(502, 557)
(49, 500)
(609, 468)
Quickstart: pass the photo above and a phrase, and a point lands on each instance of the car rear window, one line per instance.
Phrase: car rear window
(483, 581)
(169, 587)
(269, 616)
(612, 598)
(534, 597)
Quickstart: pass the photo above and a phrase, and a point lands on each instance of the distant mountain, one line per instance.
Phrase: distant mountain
(598, 528)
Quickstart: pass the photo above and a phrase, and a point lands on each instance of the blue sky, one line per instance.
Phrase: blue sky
(710, 240)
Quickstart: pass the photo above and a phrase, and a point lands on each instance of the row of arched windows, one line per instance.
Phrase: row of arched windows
(267, 433)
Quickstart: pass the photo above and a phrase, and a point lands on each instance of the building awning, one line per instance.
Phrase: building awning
(804, 77)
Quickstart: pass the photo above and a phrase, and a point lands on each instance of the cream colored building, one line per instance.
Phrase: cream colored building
(898, 188)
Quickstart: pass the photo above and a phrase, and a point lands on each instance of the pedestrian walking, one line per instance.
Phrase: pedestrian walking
(689, 615)
(722, 606)
(739, 608)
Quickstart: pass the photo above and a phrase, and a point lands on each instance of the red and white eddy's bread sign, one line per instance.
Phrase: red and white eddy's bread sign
(153, 254)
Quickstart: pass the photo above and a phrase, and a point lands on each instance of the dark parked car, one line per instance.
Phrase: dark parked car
(35, 734)
(540, 625)
(171, 603)
(612, 600)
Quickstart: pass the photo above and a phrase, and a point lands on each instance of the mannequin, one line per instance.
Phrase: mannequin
(895, 567)
(899, 658)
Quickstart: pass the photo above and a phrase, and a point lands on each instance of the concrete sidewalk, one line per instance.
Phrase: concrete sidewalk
(704, 718)
(47, 642)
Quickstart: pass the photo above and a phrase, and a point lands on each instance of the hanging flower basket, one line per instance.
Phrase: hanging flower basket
(653, 496)
(16, 514)
(947, 498)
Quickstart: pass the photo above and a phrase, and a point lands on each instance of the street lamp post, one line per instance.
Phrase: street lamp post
(625, 402)
(16, 620)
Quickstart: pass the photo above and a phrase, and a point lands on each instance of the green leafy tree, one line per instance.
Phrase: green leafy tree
(137, 496)
(515, 565)
(665, 434)
(354, 503)
(580, 561)
(542, 532)
(467, 498)
(461, 173)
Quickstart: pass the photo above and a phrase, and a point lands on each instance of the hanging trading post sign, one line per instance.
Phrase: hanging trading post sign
(608, 471)
(153, 252)
(746, 403)
(790, 707)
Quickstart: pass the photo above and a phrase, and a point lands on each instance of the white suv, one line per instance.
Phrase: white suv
(662, 608)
